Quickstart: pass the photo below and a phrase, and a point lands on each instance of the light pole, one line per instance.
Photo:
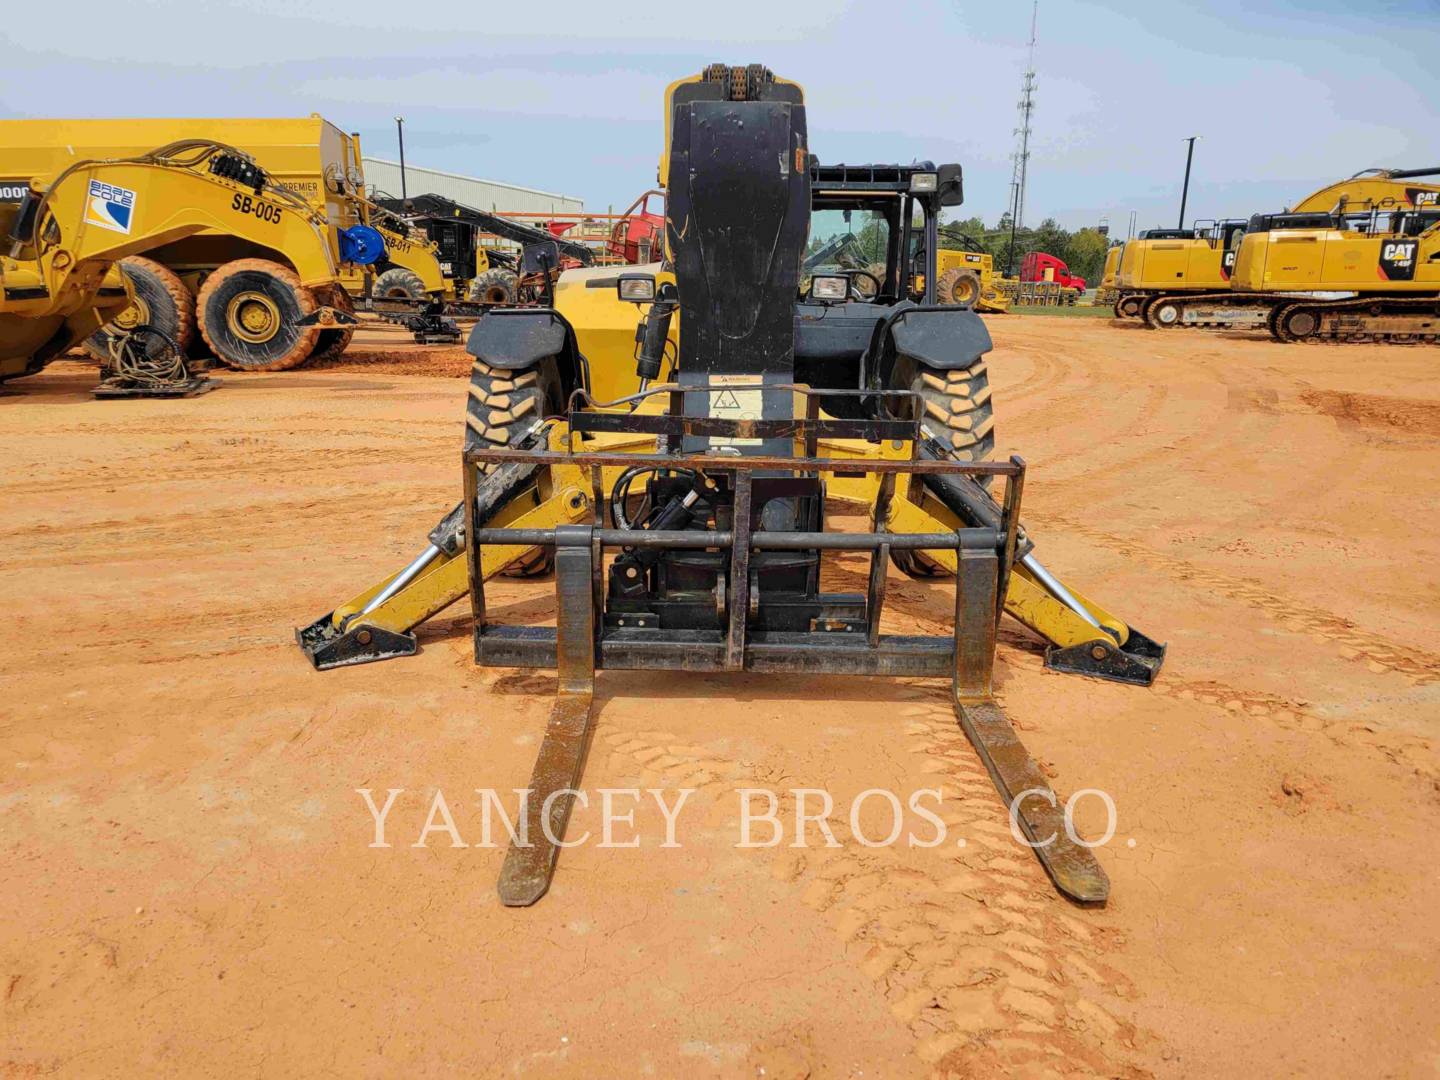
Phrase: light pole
(400, 130)
(1185, 191)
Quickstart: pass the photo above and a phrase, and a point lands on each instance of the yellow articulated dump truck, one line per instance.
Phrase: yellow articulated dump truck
(183, 287)
(66, 239)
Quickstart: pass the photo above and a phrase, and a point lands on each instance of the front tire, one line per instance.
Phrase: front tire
(500, 409)
(161, 302)
(960, 415)
(957, 286)
(248, 312)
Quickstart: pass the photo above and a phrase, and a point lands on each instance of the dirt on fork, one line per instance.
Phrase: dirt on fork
(196, 887)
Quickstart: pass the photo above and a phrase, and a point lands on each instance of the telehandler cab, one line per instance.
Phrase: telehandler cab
(684, 498)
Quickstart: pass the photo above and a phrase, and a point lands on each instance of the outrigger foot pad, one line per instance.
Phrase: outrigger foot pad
(1137, 662)
(329, 648)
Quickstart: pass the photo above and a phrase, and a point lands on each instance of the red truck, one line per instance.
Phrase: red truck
(1036, 263)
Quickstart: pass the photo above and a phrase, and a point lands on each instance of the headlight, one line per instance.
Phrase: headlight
(829, 287)
(637, 288)
(923, 181)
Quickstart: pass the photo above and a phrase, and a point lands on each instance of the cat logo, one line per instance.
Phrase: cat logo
(1397, 259)
(1421, 197)
(1227, 264)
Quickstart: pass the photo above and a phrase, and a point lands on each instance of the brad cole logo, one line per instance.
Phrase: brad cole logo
(651, 817)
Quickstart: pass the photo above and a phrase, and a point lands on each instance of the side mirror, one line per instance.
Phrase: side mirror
(539, 258)
(951, 185)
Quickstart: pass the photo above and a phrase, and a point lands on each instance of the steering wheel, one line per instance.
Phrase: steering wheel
(879, 285)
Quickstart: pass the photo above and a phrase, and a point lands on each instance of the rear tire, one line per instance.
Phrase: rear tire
(248, 310)
(495, 286)
(161, 301)
(957, 286)
(500, 409)
(334, 341)
(397, 283)
(960, 415)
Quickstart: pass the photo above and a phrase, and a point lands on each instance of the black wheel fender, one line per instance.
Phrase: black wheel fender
(516, 339)
(944, 338)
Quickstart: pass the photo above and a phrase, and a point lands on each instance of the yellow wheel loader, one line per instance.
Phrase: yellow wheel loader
(176, 281)
(674, 434)
(967, 274)
(1358, 260)
(61, 281)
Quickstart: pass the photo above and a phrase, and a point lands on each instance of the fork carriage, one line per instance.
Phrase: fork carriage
(727, 591)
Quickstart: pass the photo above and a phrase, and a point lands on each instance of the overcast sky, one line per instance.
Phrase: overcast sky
(566, 96)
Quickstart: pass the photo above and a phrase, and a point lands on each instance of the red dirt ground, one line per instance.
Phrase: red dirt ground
(193, 893)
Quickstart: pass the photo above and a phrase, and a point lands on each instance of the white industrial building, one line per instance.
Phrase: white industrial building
(382, 177)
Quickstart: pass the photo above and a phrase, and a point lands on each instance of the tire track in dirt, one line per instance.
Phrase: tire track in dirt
(1290, 714)
(143, 536)
(158, 468)
(968, 946)
(1376, 652)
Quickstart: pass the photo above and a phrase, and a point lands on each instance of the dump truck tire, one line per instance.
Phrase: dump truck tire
(162, 301)
(247, 311)
(957, 286)
(960, 415)
(397, 283)
(334, 341)
(494, 286)
(500, 408)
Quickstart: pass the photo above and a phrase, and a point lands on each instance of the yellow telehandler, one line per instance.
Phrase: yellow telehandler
(673, 434)
(59, 283)
(377, 255)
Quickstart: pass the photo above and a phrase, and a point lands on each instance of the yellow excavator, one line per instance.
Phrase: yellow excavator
(1358, 260)
(60, 281)
(673, 433)
(1164, 262)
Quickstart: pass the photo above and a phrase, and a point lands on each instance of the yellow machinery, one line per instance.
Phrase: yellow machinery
(1108, 292)
(373, 251)
(1163, 262)
(968, 277)
(1358, 260)
(59, 281)
(674, 436)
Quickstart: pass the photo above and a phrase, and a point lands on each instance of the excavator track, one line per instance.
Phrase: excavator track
(1354, 320)
(1387, 320)
(1206, 311)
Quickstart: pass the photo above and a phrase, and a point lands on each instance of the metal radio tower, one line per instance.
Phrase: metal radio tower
(1021, 157)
